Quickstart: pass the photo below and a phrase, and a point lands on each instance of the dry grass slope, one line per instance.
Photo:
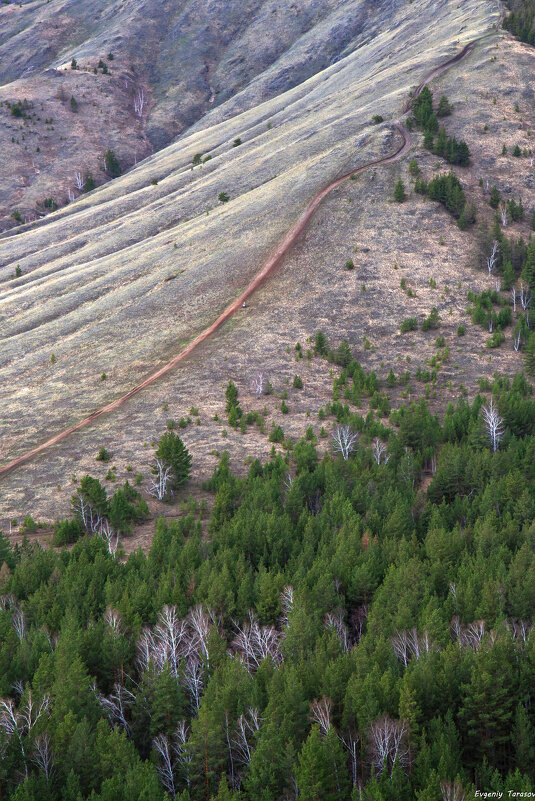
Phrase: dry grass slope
(104, 288)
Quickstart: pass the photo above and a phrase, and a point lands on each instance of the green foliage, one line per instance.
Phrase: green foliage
(232, 405)
(516, 210)
(297, 382)
(447, 189)
(444, 107)
(113, 168)
(103, 455)
(450, 149)
(399, 191)
(332, 562)
(223, 197)
(432, 321)
(377, 118)
(321, 345)
(495, 198)
(484, 314)
(74, 104)
(520, 22)
(276, 434)
(409, 324)
(173, 453)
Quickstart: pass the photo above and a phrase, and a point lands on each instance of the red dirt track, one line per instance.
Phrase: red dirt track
(274, 259)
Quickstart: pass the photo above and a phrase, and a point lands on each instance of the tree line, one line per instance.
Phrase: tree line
(333, 629)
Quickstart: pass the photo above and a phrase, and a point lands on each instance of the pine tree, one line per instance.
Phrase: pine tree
(495, 197)
(172, 452)
(113, 168)
(523, 739)
(399, 191)
(444, 108)
(317, 769)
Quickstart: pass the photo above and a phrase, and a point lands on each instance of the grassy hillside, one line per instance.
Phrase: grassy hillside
(104, 289)
(182, 58)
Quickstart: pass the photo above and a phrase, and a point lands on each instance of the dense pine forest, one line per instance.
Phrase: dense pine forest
(520, 21)
(356, 626)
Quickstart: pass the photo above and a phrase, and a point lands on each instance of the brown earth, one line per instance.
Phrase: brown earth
(310, 290)
(187, 57)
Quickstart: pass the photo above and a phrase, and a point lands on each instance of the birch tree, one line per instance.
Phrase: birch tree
(344, 441)
(492, 258)
(494, 425)
(388, 743)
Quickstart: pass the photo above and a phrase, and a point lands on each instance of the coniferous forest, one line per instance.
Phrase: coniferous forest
(356, 626)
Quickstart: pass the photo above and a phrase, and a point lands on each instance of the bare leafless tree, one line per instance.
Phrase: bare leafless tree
(525, 296)
(117, 705)
(502, 208)
(320, 713)
(253, 643)
(519, 629)
(287, 605)
(7, 602)
(19, 623)
(344, 441)
(494, 425)
(165, 764)
(139, 102)
(160, 484)
(145, 647)
(335, 621)
(112, 619)
(171, 638)
(350, 741)
(410, 643)
(400, 644)
(513, 295)
(70, 196)
(452, 791)
(517, 340)
(43, 756)
(259, 382)
(498, 284)
(79, 181)
(379, 450)
(471, 635)
(193, 681)
(90, 517)
(388, 743)
(20, 722)
(246, 727)
(182, 752)
(110, 537)
(201, 621)
(492, 258)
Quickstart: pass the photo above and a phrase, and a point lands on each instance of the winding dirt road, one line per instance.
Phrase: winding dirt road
(274, 259)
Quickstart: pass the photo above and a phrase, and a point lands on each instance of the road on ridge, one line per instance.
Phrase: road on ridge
(274, 259)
